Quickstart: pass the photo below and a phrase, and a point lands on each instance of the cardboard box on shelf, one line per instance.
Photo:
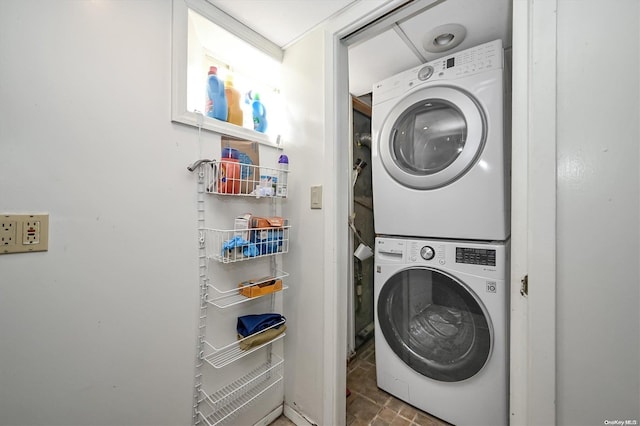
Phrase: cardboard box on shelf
(248, 289)
(268, 222)
(241, 226)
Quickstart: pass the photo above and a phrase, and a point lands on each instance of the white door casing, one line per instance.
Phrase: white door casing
(533, 225)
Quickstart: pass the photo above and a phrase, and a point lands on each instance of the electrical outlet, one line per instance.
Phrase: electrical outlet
(23, 233)
(31, 232)
(7, 232)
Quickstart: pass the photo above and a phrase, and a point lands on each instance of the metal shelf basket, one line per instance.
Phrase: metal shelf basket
(221, 357)
(225, 298)
(235, 245)
(232, 399)
(249, 181)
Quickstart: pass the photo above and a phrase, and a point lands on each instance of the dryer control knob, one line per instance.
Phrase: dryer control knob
(427, 252)
(425, 73)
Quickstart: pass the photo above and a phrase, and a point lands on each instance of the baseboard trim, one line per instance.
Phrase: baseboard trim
(297, 418)
(269, 418)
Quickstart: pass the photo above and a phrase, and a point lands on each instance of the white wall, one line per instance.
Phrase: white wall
(304, 307)
(598, 196)
(101, 328)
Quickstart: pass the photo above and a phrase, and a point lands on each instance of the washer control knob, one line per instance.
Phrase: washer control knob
(425, 73)
(427, 252)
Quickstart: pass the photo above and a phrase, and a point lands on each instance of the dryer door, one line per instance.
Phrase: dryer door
(435, 324)
(432, 137)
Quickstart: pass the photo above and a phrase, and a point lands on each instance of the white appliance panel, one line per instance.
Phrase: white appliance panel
(440, 151)
(480, 269)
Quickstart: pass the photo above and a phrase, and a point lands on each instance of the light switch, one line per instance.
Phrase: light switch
(316, 197)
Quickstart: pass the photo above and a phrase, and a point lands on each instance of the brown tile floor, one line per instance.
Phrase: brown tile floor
(368, 405)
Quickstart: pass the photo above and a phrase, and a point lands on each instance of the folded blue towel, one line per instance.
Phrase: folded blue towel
(252, 324)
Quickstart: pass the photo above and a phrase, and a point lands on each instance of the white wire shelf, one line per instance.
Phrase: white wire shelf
(225, 177)
(234, 245)
(229, 401)
(221, 357)
(226, 298)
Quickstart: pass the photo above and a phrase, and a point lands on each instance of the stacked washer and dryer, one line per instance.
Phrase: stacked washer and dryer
(441, 191)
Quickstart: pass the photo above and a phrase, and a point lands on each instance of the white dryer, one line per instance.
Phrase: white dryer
(441, 335)
(440, 154)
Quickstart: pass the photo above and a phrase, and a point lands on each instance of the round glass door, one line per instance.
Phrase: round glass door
(435, 324)
(432, 137)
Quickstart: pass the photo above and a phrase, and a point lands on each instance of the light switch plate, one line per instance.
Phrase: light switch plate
(24, 233)
(316, 197)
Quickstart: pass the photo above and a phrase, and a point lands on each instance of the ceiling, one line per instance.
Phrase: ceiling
(281, 21)
(389, 46)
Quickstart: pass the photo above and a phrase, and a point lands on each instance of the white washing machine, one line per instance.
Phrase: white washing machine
(440, 151)
(441, 335)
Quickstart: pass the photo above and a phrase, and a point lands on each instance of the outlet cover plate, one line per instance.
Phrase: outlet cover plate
(31, 233)
(8, 233)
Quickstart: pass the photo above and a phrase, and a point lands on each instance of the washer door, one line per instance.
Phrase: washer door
(432, 137)
(435, 324)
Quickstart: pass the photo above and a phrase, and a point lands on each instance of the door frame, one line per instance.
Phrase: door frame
(533, 247)
(337, 102)
(533, 214)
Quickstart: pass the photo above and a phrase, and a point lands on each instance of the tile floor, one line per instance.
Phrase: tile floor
(368, 405)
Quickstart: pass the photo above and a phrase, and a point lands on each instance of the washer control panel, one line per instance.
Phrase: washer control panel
(486, 259)
(420, 252)
(427, 252)
(475, 256)
(392, 249)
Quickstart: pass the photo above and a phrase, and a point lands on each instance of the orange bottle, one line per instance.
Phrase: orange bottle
(229, 174)
(233, 100)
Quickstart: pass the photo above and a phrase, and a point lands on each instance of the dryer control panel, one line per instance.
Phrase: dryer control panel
(471, 61)
(482, 58)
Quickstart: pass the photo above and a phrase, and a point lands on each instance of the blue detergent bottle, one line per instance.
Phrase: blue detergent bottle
(259, 114)
(217, 106)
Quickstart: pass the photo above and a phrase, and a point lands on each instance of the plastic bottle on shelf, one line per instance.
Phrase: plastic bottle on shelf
(216, 98)
(229, 173)
(247, 119)
(233, 101)
(281, 184)
(259, 114)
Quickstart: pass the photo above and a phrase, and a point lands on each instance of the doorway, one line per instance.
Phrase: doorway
(361, 221)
